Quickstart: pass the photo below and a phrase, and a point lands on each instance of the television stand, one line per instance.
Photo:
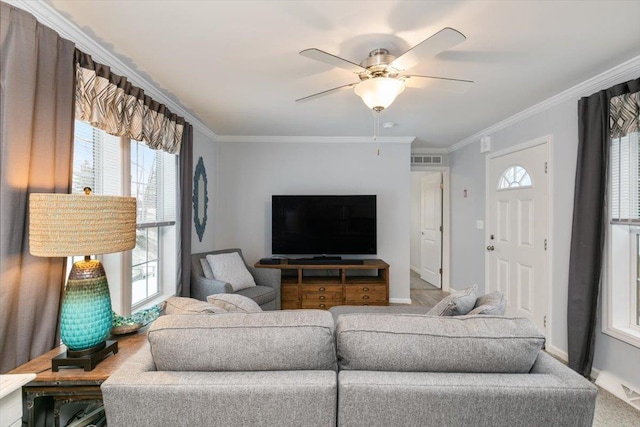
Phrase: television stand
(320, 260)
(341, 286)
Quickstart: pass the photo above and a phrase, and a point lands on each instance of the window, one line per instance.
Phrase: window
(514, 177)
(117, 166)
(622, 296)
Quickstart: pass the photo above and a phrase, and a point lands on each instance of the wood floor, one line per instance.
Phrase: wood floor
(424, 293)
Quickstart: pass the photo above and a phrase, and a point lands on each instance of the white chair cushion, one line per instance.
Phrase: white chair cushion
(230, 268)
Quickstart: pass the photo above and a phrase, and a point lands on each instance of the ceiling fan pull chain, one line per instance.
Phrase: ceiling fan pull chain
(376, 125)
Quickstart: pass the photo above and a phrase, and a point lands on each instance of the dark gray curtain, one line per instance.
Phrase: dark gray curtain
(36, 131)
(186, 188)
(589, 223)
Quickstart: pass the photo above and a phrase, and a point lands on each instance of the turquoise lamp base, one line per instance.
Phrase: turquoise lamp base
(86, 317)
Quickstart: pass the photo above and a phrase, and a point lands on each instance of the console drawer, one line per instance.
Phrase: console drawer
(321, 288)
(322, 296)
(366, 293)
(319, 305)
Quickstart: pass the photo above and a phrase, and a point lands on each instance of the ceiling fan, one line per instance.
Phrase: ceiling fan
(381, 74)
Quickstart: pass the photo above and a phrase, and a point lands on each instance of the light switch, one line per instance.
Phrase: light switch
(480, 224)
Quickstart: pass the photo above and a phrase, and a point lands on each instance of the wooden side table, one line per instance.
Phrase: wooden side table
(55, 389)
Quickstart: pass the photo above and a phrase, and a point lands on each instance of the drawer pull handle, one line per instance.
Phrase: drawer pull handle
(365, 289)
(322, 306)
(321, 289)
(322, 297)
(365, 297)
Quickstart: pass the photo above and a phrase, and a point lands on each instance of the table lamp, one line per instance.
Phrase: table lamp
(63, 225)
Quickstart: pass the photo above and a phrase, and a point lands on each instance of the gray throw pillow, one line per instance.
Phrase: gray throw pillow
(456, 304)
(492, 304)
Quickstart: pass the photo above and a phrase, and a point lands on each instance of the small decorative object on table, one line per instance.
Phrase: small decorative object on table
(126, 325)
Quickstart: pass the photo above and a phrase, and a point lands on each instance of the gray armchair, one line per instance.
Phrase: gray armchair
(266, 293)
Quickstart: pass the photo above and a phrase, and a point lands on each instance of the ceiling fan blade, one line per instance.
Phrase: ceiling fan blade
(440, 41)
(326, 92)
(442, 83)
(335, 61)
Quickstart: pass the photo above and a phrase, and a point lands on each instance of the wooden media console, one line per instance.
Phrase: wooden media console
(344, 284)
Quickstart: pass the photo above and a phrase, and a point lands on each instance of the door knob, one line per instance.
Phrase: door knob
(490, 248)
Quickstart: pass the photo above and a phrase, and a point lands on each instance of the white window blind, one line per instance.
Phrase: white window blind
(153, 177)
(96, 161)
(624, 184)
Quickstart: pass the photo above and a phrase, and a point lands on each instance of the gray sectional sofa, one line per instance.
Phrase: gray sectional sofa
(302, 368)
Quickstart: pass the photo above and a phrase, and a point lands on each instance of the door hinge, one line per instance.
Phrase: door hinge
(546, 167)
(441, 186)
(544, 321)
(440, 271)
(440, 228)
(545, 244)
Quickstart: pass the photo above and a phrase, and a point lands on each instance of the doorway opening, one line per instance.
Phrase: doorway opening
(429, 240)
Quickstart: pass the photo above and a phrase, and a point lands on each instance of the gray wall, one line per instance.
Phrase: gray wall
(467, 243)
(249, 173)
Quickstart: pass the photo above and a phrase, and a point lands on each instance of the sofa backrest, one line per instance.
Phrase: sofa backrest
(266, 341)
(421, 343)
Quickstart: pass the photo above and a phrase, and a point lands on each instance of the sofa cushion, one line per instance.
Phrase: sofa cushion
(456, 304)
(206, 268)
(492, 304)
(418, 343)
(266, 341)
(260, 294)
(181, 305)
(234, 303)
(230, 268)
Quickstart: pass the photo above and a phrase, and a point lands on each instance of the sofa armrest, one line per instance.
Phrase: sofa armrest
(201, 287)
(270, 277)
(545, 364)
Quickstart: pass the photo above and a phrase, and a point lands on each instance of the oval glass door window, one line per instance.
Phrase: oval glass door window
(514, 177)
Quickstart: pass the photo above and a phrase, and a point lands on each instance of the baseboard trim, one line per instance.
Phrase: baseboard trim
(629, 393)
(557, 352)
(415, 269)
(400, 300)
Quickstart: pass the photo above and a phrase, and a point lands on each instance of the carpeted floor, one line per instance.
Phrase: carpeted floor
(613, 412)
(610, 411)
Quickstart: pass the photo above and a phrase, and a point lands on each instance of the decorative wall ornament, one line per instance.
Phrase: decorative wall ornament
(200, 198)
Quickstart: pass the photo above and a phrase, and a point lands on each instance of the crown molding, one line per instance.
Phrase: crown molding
(316, 139)
(50, 17)
(595, 83)
(429, 150)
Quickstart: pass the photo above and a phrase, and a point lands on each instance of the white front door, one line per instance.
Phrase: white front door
(431, 229)
(517, 233)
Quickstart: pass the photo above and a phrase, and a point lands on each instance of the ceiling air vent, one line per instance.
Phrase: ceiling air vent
(426, 160)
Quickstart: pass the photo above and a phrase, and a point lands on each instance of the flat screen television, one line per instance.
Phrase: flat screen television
(324, 225)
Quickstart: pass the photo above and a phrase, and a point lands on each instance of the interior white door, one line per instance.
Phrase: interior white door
(516, 237)
(431, 229)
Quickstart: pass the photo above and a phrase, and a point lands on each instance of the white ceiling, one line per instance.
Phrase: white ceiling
(235, 64)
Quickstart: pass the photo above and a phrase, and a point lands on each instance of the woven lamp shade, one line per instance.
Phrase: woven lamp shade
(78, 224)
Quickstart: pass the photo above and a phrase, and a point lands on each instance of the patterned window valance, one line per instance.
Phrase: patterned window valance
(111, 103)
(624, 114)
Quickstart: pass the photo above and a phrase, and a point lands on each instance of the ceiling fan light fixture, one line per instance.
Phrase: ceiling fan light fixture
(379, 92)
